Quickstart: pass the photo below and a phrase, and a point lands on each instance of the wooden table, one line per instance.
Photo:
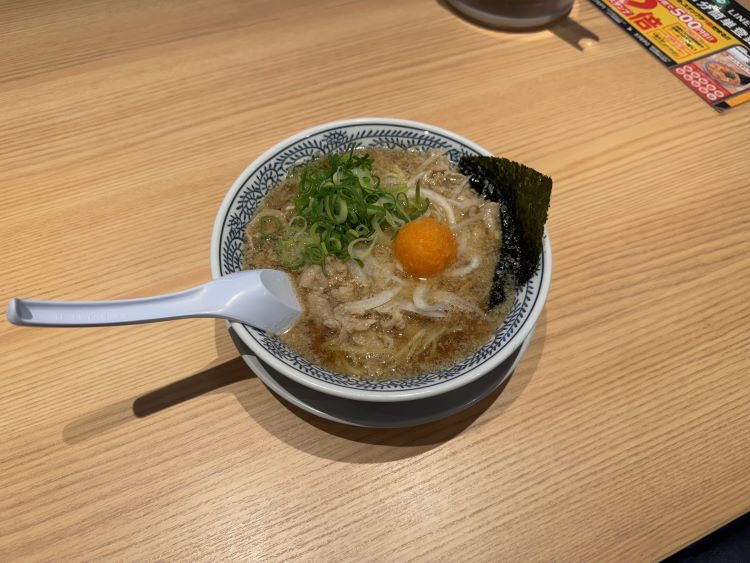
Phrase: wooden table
(622, 435)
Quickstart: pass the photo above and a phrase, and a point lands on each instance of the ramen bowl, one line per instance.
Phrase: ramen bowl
(263, 174)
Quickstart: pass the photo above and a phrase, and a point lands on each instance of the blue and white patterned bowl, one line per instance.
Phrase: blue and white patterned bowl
(270, 168)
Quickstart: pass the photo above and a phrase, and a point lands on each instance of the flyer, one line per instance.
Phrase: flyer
(706, 44)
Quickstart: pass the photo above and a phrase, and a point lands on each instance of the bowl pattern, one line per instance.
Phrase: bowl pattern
(274, 167)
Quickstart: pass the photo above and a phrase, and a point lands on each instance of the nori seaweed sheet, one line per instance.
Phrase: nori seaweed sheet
(524, 196)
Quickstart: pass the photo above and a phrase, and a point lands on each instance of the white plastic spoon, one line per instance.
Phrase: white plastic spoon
(261, 298)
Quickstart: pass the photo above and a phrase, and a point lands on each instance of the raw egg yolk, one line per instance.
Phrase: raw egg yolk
(425, 247)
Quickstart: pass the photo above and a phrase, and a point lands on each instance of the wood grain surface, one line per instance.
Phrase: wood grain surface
(623, 434)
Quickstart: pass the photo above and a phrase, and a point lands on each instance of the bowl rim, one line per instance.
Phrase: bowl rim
(370, 394)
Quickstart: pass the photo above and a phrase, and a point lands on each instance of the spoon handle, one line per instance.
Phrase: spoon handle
(180, 305)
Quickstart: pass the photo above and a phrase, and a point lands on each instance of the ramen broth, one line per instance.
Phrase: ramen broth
(372, 319)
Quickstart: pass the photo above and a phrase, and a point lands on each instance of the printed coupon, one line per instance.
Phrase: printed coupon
(704, 44)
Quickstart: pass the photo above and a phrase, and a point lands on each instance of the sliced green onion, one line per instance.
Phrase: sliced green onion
(315, 254)
(340, 206)
(360, 253)
(292, 254)
(337, 176)
(297, 225)
(376, 227)
(270, 225)
(340, 211)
